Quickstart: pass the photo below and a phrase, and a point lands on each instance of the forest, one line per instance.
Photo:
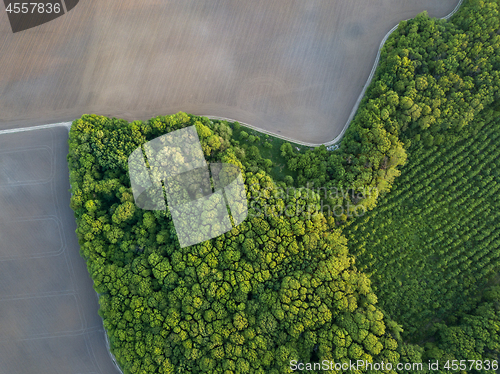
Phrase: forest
(416, 278)
(271, 290)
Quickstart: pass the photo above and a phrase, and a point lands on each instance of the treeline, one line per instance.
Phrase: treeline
(434, 78)
(431, 245)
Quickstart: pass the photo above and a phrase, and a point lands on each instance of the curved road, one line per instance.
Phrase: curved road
(291, 67)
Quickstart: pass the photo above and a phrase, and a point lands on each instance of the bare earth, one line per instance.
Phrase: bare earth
(48, 308)
(290, 66)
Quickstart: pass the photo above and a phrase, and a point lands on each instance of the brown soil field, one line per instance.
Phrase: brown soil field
(292, 67)
(48, 308)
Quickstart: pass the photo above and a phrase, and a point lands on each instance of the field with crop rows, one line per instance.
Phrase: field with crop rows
(433, 243)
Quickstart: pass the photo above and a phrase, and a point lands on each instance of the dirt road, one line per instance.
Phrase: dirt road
(291, 66)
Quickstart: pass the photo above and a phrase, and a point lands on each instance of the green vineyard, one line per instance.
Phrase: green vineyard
(432, 245)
